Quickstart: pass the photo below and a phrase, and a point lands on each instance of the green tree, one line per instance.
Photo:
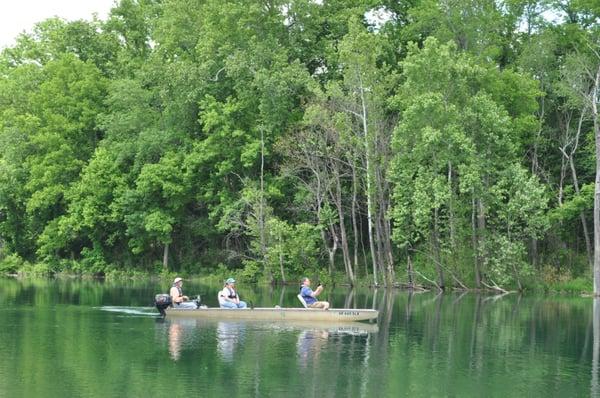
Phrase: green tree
(457, 135)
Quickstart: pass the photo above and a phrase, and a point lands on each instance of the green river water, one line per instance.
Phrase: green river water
(73, 338)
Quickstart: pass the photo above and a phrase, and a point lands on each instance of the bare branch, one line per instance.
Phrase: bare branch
(428, 280)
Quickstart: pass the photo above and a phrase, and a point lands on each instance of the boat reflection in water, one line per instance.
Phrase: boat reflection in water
(314, 337)
(175, 332)
(229, 335)
(310, 344)
(179, 334)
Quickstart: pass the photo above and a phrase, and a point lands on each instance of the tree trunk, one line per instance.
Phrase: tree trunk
(451, 208)
(281, 261)
(535, 164)
(362, 246)
(586, 235)
(385, 235)
(474, 242)
(334, 247)
(261, 211)
(368, 178)
(337, 197)
(166, 257)
(480, 234)
(388, 250)
(370, 229)
(379, 248)
(561, 181)
(533, 249)
(436, 249)
(349, 298)
(354, 223)
(409, 271)
(597, 185)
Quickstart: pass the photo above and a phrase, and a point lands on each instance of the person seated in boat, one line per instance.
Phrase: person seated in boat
(177, 297)
(228, 297)
(310, 296)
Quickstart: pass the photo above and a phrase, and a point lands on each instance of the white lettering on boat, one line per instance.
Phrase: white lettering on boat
(349, 313)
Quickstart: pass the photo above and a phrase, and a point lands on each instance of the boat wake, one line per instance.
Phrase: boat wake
(136, 311)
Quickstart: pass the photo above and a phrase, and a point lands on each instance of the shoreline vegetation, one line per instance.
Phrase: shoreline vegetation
(578, 286)
(416, 144)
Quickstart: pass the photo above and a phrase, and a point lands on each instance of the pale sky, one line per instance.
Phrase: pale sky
(17, 16)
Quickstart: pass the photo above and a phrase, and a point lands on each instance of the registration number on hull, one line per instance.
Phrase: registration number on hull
(348, 313)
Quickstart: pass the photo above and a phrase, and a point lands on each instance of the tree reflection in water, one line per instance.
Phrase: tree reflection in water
(595, 389)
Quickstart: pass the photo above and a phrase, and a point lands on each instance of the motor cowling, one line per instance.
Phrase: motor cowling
(162, 301)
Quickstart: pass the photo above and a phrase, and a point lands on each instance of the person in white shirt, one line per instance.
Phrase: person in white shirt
(177, 297)
(228, 297)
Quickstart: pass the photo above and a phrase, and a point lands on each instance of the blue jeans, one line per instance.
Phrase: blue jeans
(186, 305)
(229, 304)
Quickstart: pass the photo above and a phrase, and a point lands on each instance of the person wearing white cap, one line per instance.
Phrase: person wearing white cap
(228, 297)
(177, 297)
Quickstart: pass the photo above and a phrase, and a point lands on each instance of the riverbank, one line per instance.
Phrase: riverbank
(575, 286)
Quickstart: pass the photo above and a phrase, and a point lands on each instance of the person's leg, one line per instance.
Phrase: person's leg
(320, 304)
(228, 304)
(187, 305)
(242, 304)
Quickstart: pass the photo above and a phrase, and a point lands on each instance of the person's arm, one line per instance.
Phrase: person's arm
(235, 300)
(225, 294)
(174, 293)
(307, 291)
(317, 291)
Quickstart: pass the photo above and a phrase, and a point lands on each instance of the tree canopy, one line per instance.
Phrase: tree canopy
(449, 143)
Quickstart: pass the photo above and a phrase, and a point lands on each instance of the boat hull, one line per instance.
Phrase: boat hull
(353, 328)
(278, 314)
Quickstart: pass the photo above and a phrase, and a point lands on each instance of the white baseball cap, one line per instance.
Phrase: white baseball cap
(178, 279)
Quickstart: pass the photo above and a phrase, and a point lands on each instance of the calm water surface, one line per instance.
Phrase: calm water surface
(95, 339)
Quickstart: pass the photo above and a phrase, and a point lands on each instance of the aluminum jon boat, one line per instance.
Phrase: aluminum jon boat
(277, 314)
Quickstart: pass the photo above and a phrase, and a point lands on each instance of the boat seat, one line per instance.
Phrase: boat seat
(302, 301)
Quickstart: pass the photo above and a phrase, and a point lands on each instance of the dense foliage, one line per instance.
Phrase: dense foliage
(441, 142)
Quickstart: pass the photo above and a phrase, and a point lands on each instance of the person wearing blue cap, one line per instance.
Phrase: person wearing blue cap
(228, 297)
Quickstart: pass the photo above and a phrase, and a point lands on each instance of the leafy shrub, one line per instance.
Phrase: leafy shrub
(39, 269)
(11, 264)
(251, 272)
(93, 261)
(577, 285)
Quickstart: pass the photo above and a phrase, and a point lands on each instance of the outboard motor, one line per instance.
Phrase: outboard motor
(162, 301)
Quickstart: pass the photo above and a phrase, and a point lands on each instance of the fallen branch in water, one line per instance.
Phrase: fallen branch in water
(494, 287)
(444, 267)
(496, 297)
(428, 280)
